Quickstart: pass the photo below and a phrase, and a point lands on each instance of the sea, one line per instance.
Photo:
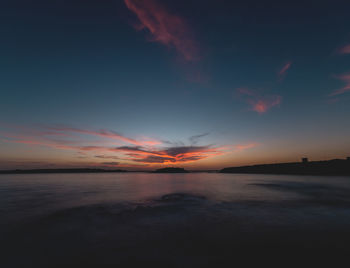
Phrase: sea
(172, 220)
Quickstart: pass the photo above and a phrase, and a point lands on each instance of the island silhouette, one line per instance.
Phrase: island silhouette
(170, 170)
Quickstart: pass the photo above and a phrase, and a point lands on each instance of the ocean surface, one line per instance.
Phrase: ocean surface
(173, 220)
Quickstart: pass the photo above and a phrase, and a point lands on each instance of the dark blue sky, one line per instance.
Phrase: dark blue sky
(265, 81)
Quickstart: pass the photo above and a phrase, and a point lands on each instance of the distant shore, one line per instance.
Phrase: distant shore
(339, 167)
(171, 170)
(60, 170)
(330, 167)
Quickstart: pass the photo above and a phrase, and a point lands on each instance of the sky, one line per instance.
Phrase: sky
(144, 84)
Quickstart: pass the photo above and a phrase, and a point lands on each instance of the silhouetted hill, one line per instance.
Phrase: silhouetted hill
(170, 170)
(63, 170)
(330, 167)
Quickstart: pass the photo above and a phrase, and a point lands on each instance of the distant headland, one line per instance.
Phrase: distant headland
(305, 167)
(329, 167)
(60, 170)
(170, 170)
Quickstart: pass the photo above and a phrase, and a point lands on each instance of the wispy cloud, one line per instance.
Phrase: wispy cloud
(283, 71)
(106, 134)
(166, 28)
(107, 157)
(135, 151)
(132, 154)
(259, 103)
(195, 139)
(346, 79)
(344, 50)
(265, 104)
(110, 164)
(245, 146)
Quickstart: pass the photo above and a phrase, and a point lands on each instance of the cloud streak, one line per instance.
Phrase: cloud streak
(106, 134)
(195, 139)
(134, 153)
(242, 147)
(283, 72)
(165, 28)
(346, 79)
(266, 103)
(285, 68)
(344, 50)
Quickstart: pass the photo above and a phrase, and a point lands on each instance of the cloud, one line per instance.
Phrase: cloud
(106, 134)
(165, 28)
(180, 154)
(172, 154)
(40, 141)
(140, 154)
(195, 139)
(110, 163)
(242, 147)
(266, 103)
(345, 78)
(284, 69)
(259, 103)
(344, 50)
(131, 154)
(156, 159)
(107, 157)
(246, 91)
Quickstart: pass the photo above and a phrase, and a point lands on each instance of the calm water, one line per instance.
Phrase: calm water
(80, 219)
(31, 195)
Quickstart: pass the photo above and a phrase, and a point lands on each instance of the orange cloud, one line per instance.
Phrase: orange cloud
(345, 78)
(140, 154)
(168, 155)
(165, 28)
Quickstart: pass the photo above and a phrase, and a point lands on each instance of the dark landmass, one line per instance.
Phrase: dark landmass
(330, 167)
(170, 170)
(63, 170)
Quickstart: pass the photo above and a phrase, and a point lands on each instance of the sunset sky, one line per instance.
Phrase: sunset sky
(143, 84)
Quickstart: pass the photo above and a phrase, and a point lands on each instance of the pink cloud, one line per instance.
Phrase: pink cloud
(263, 105)
(260, 103)
(165, 28)
(242, 147)
(344, 49)
(345, 78)
(107, 134)
(284, 69)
